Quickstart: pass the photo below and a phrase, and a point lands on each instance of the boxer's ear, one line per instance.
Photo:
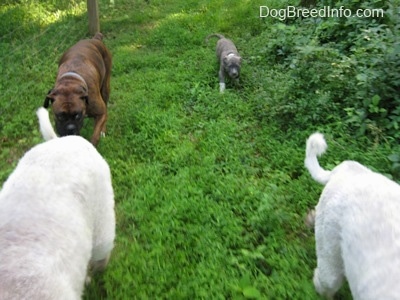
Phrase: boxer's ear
(48, 99)
(85, 96)
(86, 99)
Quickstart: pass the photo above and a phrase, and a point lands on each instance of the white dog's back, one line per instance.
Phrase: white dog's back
(367, 209)
(357, 228)
(56, 214)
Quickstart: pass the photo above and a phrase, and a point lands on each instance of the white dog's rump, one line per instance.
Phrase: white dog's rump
(56, 218)
(357, 229)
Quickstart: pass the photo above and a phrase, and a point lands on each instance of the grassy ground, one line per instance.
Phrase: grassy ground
(210, 191)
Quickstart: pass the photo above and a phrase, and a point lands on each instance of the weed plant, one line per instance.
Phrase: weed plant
(210, 188)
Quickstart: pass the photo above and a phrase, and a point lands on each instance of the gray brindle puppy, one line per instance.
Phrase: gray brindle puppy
(229, 59)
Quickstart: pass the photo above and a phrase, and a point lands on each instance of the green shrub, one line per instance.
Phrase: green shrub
(339, 70)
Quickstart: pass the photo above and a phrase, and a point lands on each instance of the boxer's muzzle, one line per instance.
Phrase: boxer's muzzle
(71, 129)
(69, 124)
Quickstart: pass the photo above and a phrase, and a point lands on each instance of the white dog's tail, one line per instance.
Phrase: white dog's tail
(46, 128)
(316, 146)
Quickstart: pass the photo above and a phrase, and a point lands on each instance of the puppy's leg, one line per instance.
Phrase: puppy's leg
(221, 76)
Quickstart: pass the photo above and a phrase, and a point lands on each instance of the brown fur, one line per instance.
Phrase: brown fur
(72, 99)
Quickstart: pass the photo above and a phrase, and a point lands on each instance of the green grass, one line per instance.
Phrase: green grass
(210, 189)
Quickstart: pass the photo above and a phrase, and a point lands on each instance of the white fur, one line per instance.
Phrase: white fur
(56, 219)
(316, 146)
(46, 129)
(357, 229)
(222, 87)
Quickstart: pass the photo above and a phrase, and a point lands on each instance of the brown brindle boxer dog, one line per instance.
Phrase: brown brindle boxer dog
(82, 88)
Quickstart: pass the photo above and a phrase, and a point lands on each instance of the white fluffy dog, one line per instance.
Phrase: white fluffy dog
(56, 219)
(357, 228)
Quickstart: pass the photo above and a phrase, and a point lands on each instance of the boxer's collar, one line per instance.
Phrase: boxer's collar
(75, 75)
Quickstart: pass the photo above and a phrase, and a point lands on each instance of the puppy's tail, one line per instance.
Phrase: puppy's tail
(46, 128)
(219, 36)
(98, 36)
(316, 146)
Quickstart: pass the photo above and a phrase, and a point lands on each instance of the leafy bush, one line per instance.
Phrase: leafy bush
(339, 69)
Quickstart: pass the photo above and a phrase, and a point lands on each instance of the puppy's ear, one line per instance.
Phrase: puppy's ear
(48, 99)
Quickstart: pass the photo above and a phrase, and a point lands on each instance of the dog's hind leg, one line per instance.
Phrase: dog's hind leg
(100, 120)
(104, 227)
(105, 87)
(99, 265)
(329, 274)
(99, 129)
(96, 266)
(327, 279)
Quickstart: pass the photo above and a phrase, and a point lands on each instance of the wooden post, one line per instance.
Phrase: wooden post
(93, 15)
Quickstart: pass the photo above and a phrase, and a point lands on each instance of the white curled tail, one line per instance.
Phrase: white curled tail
(316, 146)
(46, 128)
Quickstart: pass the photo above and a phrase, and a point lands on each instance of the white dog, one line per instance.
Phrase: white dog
(357, 229)
(56, 219)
